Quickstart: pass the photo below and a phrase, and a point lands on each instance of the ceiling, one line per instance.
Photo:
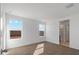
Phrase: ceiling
(41, 11)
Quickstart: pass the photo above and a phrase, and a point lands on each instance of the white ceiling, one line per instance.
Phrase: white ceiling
(41, 11)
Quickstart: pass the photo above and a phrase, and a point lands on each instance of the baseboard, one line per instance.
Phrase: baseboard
(27, 45)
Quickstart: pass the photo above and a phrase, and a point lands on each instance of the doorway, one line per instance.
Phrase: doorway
(1, 28)
(64, 33)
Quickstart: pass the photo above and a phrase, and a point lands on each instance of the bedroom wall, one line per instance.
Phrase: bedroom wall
(74, 29)
(30, 27)
(52, 32)
(30, 32)
(52, 27)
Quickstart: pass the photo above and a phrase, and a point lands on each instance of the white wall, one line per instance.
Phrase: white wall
(52, 34)
(74, 30)
(30, 28)
(52, 26)
(30, 32)
(53, 30)
(0, 28)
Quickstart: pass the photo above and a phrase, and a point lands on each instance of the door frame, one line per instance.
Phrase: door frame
(68, 31)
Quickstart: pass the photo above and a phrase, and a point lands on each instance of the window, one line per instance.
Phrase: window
(42, 29)
(1, 21)
(15, 28)
(15, 24)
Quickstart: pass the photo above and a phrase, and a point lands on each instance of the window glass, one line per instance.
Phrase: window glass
(15, 24)
(15, 28)
(41, 29)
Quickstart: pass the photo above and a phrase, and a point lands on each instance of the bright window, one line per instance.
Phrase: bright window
(42, 29)
(15, 24)
(15, 28)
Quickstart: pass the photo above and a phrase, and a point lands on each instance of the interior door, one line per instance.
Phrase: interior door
(64, 32)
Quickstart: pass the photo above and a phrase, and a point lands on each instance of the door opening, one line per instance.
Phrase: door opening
(64, 33)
